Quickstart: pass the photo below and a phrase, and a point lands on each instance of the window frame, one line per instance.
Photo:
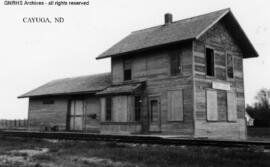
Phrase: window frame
(151, 118)
(212, 62)
(228, 109)
(127, 67)
(172, 55)
(108, 109)
(227, 76)
(137, 108)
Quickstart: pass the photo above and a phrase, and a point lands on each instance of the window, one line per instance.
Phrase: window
(153, 109)
(138, 102)
(48, 101)
(221, 105)
(175, 63)
(210, 66)
(229, 66)
(175, 105)
(211, 106)
(127, 70)
(108, 109)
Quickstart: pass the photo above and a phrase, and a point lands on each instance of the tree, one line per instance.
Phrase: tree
(262, 99)
(260, 111)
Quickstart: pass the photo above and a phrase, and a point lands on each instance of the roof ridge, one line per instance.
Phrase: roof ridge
(137, 31)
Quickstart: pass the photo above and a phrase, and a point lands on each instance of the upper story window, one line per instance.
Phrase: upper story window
(175, 62)
(127, 70)
(230, 66)
(210, 62)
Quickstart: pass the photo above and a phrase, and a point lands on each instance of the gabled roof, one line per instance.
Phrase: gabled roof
(76, 85)
(182, 30)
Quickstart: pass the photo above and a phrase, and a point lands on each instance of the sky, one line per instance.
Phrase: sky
(33, 54)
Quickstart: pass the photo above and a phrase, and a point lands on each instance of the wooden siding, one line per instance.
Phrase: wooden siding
(219, 39)
(47, 115)
(154, 68)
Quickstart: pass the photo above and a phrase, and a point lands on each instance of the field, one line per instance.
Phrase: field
(52, 153)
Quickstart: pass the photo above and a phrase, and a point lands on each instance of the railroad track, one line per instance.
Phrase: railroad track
(134, 139)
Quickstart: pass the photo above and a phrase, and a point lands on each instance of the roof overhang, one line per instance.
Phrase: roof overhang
(133, 52)
(232, 25)
(58, 94)
(123, 89)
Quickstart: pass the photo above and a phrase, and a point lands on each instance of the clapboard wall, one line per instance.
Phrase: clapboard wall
(56, 114)
(153, 67)
(219, 39)
(47, 115)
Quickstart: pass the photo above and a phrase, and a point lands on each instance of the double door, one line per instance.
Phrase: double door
(77, 113)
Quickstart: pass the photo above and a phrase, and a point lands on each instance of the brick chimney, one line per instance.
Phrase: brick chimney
(168, 18)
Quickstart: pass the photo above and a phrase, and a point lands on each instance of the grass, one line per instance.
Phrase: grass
(101, 154)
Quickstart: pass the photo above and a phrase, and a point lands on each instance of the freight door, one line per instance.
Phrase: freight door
(76, 115)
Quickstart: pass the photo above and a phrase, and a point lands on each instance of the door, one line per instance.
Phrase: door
(76, 115)
(154, 114)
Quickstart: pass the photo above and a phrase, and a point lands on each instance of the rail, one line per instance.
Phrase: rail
(133, 139)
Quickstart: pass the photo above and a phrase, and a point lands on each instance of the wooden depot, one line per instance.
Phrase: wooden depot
(181, 78)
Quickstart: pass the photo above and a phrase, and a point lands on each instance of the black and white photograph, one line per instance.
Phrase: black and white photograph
(156, 83)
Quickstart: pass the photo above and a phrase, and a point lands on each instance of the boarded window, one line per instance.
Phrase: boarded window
(138, 102)
(212, 110)
(175, 62)
(210, 65)
(120, 108)
(48, 101)
(222, 105)
(232, 108)
(127, 70)
(230, 66)
(175, 105)
(108, 115)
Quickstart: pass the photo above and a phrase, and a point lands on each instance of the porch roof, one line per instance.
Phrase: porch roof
(121, 89)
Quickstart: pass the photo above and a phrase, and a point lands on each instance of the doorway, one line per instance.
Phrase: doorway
(77, 115)
(154, 114)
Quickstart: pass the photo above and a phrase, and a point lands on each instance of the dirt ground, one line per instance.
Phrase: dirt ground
(17, 152)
